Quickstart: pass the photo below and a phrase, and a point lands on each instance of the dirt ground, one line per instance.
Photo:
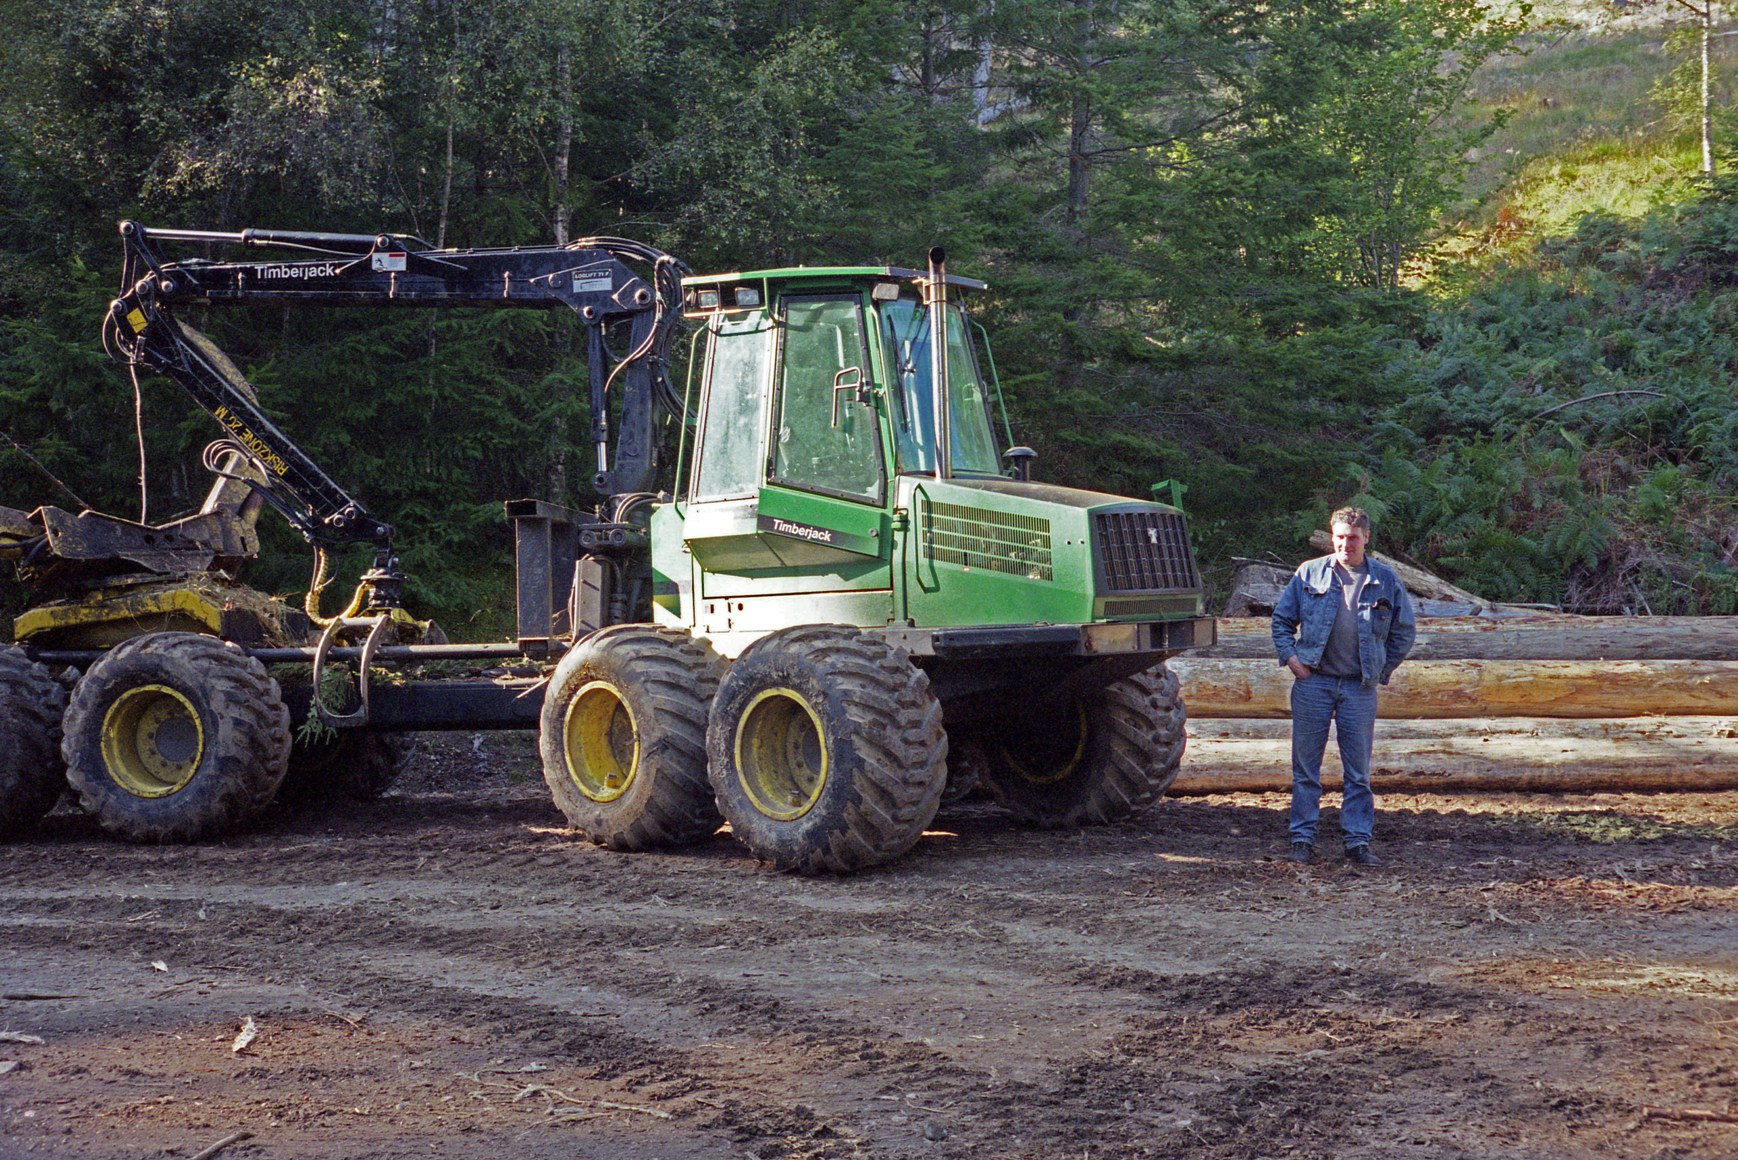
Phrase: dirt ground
(447, 973)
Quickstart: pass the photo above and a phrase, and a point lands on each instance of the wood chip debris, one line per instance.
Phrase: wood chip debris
(553, 1094)
(19, 1037)
(248, 1033)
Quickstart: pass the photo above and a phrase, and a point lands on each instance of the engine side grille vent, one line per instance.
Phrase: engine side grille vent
(1145, 552)
(975, 537)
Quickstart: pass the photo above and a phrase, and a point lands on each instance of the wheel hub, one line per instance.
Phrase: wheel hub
(1050, 753)
(152, 741)
(780, 756)
(601, 742)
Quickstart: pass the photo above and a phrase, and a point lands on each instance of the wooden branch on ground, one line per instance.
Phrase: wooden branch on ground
(1477, 688)
(1630, 638)
(232, 1138)
(1536, 754)
(1704, 1115)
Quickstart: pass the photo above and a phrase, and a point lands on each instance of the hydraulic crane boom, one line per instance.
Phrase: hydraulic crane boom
(588, 276)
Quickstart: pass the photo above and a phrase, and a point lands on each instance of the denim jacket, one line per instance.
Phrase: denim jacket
(1304, 617)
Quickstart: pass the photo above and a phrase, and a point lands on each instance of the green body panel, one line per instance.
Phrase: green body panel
(755, 594)
(738, 554)
(804, 528)
(999, 551)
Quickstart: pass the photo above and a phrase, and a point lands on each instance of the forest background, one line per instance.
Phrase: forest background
(1452, 261)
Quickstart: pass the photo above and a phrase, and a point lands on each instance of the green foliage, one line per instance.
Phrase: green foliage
(1571, 439)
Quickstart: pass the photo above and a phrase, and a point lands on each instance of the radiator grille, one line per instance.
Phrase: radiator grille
(1145, 552)
(996, 541)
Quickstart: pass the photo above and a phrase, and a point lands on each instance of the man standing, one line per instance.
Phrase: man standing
(1342, 626)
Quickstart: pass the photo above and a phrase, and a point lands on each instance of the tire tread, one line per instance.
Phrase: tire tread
(32, 775)
(896, 752)
(678, 676)
(252, 745)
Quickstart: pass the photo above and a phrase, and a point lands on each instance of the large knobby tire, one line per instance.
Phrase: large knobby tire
(826, 749)
(1099, 758)
(176, 737)
(32, 774)
(345, 765)
(623, 737)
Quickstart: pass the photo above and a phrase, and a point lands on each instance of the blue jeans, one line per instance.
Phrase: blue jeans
(1315, 701)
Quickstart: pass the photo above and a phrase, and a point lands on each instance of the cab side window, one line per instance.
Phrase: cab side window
(827, 437)
(731, 432)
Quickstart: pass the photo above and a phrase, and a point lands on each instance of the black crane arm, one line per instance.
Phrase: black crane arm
(589, 276)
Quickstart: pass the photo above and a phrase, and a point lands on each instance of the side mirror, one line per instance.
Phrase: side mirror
(1020, 462)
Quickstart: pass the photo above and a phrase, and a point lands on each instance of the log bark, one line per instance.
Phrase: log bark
(1255, 589)
(1417, 580)
(1716, 731)
(1630, 638)
(1653, 753)
(1478, 688)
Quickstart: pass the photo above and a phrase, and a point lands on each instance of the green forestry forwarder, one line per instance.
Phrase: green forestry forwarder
(840, 605)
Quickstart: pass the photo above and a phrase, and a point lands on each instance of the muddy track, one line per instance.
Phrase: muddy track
(447, 972)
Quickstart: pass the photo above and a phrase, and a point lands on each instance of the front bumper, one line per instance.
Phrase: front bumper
(1158, 638)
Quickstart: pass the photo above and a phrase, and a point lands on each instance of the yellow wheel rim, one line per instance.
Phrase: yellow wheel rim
(602, 742)
(781, 758)
(1045, 762)
(152, 741)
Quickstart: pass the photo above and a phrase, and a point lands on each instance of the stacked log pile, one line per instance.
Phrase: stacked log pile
(1526, 702)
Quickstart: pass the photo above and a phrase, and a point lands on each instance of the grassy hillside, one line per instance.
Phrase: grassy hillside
(1587, 129)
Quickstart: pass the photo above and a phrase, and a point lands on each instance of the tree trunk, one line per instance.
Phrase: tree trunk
(1478, 688)
(1080, 124)
(446, 188)
(1707, 113)
(1079, 164)
(1510, 754)
(981, 82)
(1560, 638)
(560, 223)
(927, 33)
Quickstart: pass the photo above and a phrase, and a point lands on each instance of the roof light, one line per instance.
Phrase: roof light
(885, 291)
(747, 296)
(706, 299)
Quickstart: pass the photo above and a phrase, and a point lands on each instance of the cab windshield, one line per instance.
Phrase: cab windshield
(906, 333)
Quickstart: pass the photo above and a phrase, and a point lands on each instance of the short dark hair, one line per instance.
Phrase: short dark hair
(1357, 517)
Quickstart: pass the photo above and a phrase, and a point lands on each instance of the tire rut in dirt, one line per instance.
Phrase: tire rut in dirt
(858, 1055)
(862, 768)
(1121, 750)
(623, 737)
(32, 774)
(231, 728)
(335, 956)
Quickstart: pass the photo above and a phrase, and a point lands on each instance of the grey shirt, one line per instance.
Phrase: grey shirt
(1340, 656)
